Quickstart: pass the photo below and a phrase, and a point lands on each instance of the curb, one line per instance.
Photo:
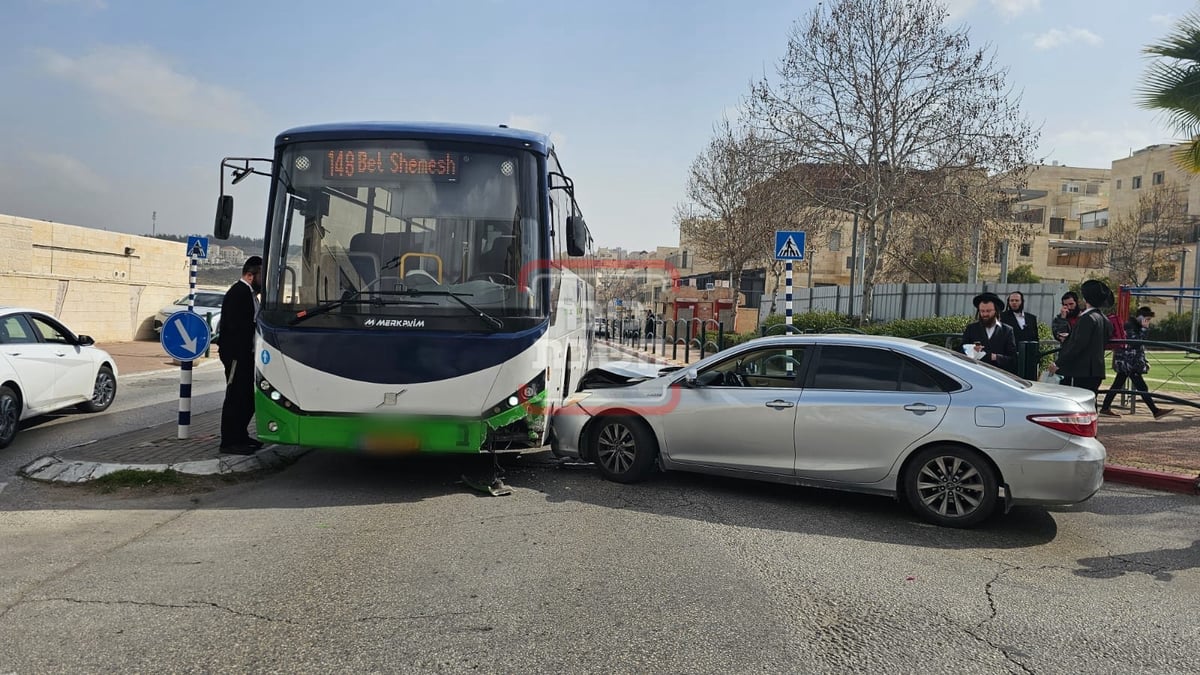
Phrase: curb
(52, 469)
(1157, 480)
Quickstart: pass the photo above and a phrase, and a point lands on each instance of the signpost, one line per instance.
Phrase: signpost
(789, 246)
(185, 336)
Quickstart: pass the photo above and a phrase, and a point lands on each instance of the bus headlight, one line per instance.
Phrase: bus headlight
(521, 396)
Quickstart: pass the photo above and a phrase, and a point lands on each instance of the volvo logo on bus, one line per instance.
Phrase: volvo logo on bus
(394, 323)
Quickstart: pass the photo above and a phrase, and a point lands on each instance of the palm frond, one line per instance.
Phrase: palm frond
(1183, 43)
(1188, 156)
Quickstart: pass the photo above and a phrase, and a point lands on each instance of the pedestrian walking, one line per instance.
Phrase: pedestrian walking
(1080, 362)
(1129, 363)
(239, 312)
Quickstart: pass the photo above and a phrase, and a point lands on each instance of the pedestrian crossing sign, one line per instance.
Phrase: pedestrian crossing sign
(197, 247)
(789, 245)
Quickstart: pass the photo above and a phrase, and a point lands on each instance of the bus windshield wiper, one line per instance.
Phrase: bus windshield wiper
(457, 297)
(306, 314)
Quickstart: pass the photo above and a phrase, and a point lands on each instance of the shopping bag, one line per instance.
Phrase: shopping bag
(1049, 378)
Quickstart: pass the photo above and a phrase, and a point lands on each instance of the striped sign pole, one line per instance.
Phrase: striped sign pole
(787, 306)
(185, 367)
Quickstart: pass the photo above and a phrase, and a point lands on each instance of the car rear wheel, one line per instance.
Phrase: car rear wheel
(103, 392)
(951, 486)
(10, 415)
(624, 448)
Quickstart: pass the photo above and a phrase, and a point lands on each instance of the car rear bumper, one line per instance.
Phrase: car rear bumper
(1070, 475)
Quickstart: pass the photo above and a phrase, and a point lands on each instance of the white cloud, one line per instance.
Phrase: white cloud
(141, 80)
(69, 172)
(1014, 8)
(1093, 147)
(1057, 38)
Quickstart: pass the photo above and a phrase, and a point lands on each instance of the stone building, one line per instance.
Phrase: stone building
(105, 284)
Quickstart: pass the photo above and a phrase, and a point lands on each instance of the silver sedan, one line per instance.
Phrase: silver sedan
(955, 438)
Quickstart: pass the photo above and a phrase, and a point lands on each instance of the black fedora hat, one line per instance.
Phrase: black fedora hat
(1096, 293)
(988, 296)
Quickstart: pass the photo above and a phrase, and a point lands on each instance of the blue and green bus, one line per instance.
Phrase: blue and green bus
(426, 287)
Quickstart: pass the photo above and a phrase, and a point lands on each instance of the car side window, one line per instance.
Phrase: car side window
(767, 367)
(50, 332)
(15, 330)
(857, 369)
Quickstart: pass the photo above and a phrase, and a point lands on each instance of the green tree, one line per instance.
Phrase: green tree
(1172, 86)
(941, 268)
(1023, 274)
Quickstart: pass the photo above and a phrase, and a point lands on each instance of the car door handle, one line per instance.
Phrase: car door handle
(920, 408)
(780, 404)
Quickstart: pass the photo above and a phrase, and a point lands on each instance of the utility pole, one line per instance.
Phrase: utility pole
(153, 223)
(1004, 263)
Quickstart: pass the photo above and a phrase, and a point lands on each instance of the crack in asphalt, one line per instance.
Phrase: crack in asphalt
(197, 604)
(5, 611)
(994, 609)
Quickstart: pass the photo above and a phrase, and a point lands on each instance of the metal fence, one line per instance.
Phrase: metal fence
(918, 301)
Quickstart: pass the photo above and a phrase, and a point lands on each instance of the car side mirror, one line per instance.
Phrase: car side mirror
(689, 378)
(84, 340)
(224, 220)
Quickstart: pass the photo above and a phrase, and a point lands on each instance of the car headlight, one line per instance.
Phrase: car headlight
(575, 398)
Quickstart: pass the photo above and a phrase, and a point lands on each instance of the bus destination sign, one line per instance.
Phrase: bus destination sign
(385, 164)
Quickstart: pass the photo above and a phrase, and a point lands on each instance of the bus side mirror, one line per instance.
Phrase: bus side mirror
(577, 236)
(224, 221)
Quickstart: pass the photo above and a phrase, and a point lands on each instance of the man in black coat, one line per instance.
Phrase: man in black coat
(1024, 324)
(1080, 362)
(239, 312)
(990, 336)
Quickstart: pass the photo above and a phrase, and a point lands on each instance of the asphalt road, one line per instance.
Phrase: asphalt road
(354, 563)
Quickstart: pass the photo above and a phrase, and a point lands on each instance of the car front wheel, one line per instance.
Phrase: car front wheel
(951, 486)
(104, 391)
(10, 415)
(624, 448)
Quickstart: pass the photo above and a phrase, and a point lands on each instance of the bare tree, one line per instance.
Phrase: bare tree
(1145, 239)
(721, 217)
(890, 110)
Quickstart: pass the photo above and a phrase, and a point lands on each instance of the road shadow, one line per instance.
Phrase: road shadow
(1158, 564)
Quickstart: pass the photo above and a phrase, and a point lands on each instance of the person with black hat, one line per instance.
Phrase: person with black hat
(1129, 363)
(1080, 362)
(239, 312)
(994, 342)
(1024, 324)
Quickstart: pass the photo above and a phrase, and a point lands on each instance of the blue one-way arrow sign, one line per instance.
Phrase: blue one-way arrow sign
(789, 245)
(185, 336)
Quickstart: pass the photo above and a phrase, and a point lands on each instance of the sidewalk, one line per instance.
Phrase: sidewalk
(154, 448)
(147, 356)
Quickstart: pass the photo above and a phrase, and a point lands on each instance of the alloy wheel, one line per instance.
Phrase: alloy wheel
(951, 486)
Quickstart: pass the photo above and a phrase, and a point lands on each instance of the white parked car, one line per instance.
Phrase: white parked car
(45, 367)
(207, 302)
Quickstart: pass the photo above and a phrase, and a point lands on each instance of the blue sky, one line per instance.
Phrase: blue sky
(115, 109)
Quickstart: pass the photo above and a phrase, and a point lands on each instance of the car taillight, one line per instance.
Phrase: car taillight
(1076, 424)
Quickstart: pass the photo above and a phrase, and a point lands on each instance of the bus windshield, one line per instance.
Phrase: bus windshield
(404, 234)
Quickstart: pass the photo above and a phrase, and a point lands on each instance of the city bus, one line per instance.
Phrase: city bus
(427, 288)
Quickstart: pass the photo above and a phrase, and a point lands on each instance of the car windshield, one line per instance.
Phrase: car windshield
(402, 231)
(980, 365)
